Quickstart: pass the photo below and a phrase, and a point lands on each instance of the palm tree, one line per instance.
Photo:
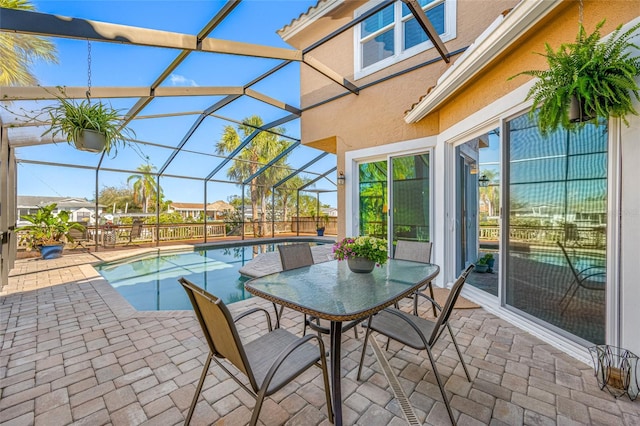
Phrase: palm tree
(490, 194)
(284, 192)
(263, 148)
(20, 51)
(145, 187)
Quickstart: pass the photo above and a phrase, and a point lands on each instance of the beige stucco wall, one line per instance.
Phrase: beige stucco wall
(560, 27)
(376, 115)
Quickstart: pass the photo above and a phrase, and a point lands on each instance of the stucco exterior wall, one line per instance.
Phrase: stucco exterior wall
(376, 115)
(560, 27)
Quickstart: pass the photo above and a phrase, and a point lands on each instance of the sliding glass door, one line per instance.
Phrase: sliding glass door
(555, 222)
(394, 198)
(410, 198)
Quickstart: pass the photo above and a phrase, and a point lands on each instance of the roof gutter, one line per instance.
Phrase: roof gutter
(505, 31)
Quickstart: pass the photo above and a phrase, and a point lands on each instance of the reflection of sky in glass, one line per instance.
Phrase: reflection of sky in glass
(565, 172)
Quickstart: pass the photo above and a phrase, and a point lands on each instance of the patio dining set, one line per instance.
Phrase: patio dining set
(325, 292)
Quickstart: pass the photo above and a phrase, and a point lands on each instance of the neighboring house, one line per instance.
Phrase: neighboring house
(215, 211)
(329, 211)
(439, 123)
(81, 209)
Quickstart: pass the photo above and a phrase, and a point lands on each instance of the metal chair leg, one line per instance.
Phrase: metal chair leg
(441, 385)
(364, 347)
(205, 370)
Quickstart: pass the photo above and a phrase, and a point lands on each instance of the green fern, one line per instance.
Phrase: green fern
(600, 75)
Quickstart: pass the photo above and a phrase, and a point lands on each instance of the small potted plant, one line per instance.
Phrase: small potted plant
(490, 261)
(361, 253)
(48, 232)
(93, 127)
(481, 265)
(587, 80)
(321, 225)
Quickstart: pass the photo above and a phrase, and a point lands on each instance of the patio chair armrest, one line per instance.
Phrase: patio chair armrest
(436, 304)
(252, 311)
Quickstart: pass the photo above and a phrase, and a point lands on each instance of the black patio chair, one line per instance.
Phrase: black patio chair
(419, 333)
(581, 279)
(269, 362)
(293, 256)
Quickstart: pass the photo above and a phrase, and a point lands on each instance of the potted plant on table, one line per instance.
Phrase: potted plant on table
(361, 253)
(587, 80)
(93, 127)
(48, 232)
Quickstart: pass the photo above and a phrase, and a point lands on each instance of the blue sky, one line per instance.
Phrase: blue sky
(253, 21)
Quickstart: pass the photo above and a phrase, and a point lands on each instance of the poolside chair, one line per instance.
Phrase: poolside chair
(581, 279)
(136, 230)
(416, 251)
(79, 237)
(419, 333)
(294, 256)
(269, 362)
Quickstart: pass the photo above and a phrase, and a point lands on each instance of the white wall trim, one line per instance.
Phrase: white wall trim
(400, 54)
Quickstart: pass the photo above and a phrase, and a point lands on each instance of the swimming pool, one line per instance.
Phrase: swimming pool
(150, 282)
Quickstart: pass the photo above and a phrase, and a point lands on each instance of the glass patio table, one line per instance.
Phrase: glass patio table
(332, 292)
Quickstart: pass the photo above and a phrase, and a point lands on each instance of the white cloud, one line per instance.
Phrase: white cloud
(180, 80)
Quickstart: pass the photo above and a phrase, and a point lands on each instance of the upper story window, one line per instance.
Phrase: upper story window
(393, 34)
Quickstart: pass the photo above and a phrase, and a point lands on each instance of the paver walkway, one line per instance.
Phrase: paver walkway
(74, 352)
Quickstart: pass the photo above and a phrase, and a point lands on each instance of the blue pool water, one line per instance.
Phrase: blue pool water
(150, 283)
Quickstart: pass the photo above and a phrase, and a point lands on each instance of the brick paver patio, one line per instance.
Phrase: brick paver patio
(74, 352)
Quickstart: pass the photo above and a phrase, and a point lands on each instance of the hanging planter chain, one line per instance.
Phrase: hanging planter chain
(88, 71)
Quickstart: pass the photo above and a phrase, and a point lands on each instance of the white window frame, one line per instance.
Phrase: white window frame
(398, 25)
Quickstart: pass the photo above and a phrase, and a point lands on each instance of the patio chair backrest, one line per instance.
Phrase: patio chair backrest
(294, 256)
(444, 316)
(136, 228)
(218, 328)
(78, 234)
(416, 251)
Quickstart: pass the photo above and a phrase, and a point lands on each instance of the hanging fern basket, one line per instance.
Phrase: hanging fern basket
(90, 141)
